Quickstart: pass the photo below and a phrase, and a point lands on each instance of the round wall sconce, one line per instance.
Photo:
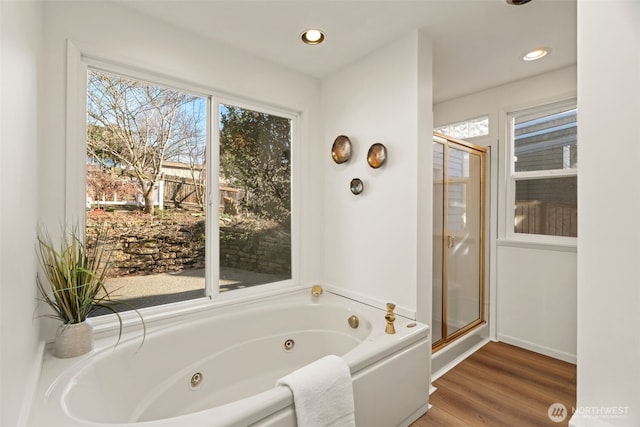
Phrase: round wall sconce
(377, 155)
(341, 149)
(357, 186)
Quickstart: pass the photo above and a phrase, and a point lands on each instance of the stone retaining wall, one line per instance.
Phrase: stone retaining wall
(262, 251)
(149, 246)
(156, 245)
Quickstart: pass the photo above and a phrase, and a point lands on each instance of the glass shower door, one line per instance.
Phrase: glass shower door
(458, 251)
(438, 236)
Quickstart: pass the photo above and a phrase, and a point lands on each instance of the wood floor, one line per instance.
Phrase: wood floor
(502, 386)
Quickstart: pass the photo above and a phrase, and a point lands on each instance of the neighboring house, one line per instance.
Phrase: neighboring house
(183, 170)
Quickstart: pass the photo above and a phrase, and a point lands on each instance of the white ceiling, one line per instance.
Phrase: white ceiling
(477, 43)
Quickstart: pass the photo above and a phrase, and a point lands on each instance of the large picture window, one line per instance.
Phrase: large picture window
(148, 178)
(544, 167)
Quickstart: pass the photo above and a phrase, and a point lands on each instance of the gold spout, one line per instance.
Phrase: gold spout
(390, 318)
(316, 290)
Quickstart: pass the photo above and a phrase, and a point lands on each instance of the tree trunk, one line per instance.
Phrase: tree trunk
(148, 198)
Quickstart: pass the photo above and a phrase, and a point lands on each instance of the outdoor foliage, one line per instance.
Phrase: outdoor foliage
(102, 182)
(255, 156)
(137, 126)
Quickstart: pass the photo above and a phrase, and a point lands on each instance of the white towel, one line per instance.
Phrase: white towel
(322, 393)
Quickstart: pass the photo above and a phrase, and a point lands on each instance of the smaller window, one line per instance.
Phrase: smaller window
(544, 169)
(466, 129)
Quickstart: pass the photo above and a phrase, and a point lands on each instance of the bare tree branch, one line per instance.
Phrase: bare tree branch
(137, 126)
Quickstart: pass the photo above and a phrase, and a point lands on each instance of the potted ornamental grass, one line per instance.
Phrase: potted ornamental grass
(73, 285)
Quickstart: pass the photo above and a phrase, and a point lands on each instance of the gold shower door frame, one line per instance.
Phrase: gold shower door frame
(480, 151)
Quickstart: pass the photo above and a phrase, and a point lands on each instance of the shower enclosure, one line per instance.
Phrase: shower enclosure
(459, 199)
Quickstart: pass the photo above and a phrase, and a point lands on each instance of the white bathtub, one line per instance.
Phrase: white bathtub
(239, 353)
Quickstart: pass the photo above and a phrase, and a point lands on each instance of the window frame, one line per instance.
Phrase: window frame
(513, 176)
(78, 63)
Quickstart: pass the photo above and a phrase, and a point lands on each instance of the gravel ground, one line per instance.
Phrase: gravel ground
(164, 288)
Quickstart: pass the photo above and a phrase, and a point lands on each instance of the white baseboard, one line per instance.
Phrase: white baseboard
(547, 351)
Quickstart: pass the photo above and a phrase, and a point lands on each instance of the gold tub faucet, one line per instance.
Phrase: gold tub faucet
(316, 290)
(390, 318)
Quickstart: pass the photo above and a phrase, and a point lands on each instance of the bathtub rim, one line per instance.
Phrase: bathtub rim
(108, 325)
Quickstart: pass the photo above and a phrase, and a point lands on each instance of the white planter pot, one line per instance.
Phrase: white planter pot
(74, 339)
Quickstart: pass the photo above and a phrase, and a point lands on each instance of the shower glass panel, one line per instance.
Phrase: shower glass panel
(463, 226)
(458, 233)
(438, 234)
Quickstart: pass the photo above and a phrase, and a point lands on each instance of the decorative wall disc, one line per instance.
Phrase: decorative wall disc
(341, 149)
(357, 186)
(377, 155)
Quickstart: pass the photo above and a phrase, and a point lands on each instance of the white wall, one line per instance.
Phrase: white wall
(536, 300)
(609, 206)
(533, 288)
(152, 46)
(370, 240)
(21, 38)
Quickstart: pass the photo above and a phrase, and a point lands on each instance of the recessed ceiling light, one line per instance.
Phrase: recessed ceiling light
(536, 54)
(312, 37)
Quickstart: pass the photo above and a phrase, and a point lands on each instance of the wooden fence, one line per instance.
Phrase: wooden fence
(173, 192)
(181, 191)
(549, 218)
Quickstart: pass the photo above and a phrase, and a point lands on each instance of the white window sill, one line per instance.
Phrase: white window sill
(544, 246)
